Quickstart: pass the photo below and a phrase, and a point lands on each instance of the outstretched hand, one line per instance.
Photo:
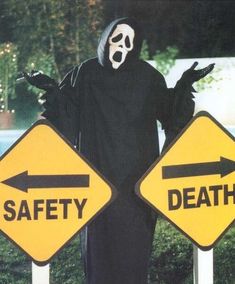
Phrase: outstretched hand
(191, 75)
(39, 80)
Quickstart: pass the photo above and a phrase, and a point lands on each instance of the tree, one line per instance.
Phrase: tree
(198, 28)
(49, 35)
(67, 31)
(8, 73)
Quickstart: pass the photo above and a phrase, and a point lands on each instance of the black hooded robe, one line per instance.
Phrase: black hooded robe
(111, 114)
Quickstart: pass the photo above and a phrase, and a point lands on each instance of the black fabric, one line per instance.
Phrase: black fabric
(111, 116)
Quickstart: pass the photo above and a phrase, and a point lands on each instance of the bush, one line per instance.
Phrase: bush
(165, 60)
(15, 266)
(171, 260)
(172, 257)
(224, 259)
(67, 267)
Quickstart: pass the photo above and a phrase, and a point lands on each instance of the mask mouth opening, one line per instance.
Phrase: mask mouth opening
(117, 56)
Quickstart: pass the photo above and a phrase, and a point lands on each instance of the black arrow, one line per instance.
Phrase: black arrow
(23, 181)
(222, 167)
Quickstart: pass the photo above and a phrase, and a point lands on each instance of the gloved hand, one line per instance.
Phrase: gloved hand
(191, 75)
(40, 80)
(183, 105)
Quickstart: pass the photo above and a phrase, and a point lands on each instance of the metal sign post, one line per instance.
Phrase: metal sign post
(202, 266)
(40, 274)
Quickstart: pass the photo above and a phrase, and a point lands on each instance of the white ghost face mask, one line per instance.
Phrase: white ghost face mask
(120, 43)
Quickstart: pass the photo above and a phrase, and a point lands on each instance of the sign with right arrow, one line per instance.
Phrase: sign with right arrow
(193, 182)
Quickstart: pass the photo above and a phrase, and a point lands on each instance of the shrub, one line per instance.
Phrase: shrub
(224, 259)
(172, 257)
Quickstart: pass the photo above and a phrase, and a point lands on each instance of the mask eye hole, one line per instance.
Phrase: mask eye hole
(127, 42)
(117, 38)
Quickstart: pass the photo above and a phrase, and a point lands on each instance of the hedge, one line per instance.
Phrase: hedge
(171, 260)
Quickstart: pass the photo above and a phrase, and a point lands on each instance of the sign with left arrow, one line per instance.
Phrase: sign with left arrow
(48, 192)
(24, 181)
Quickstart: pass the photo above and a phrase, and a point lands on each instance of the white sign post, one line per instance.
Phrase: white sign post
(40, 274)
(202, 266)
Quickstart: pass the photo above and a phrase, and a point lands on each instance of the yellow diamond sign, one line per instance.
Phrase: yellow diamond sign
(48, 192)
(193, 182)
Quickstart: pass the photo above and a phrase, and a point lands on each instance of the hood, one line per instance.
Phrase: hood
(103, 46)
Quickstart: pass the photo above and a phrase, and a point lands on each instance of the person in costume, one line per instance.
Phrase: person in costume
(108, 107)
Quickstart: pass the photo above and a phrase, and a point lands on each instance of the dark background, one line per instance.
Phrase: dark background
(55, 35)
(197, 28)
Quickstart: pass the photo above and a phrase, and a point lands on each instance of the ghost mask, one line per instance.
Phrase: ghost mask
(120, 43)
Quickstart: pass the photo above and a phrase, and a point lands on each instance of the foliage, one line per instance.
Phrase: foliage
(67, 266)
(26, 106)
(165, 60)
(224, 264)
(51, 36)
(205, 83)
(20, 97)
(65, 30)
(8, 74)
(198, 28)
(144, 53)
(15, 267)
(172, 259)
(44, 63)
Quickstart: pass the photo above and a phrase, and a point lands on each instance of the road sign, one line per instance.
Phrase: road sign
(48, 192)
(193, 181)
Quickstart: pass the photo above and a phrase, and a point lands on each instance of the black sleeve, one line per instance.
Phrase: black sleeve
(175, 107)
(62, 105)
(164, 102)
